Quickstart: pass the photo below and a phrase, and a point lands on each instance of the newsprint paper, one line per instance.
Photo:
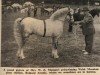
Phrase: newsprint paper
(50, 37)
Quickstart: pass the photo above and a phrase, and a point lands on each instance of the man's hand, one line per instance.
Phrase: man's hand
(75, 23)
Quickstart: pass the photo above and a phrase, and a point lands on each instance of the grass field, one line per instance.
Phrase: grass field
(38, 49)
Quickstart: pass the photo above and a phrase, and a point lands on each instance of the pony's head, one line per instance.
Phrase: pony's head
(70, 15)
(63, 14)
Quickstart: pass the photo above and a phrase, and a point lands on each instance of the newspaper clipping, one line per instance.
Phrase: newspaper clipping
(50, 37)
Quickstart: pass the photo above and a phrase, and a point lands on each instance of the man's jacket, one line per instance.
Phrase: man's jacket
(87, 25)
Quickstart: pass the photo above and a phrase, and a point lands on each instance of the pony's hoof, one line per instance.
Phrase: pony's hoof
(55, 56)
(23, 57)
(20, 57)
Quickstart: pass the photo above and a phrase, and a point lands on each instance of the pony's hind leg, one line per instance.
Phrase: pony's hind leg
(54, 49)
(19, 37)
(20, 52)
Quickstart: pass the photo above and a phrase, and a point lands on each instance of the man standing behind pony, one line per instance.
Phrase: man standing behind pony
(88, 30)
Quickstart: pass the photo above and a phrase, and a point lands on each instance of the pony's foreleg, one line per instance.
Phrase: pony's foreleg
(54, 49)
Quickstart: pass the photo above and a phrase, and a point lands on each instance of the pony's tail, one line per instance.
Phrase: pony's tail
(18, 30)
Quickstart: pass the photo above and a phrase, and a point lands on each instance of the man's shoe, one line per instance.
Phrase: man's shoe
(85, 53)
(83, 50)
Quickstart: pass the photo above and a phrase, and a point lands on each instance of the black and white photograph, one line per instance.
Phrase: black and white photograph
(50, 33)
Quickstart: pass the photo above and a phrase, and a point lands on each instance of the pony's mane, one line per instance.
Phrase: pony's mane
(59, 13)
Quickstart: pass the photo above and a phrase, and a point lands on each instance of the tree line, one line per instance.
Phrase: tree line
(76, 2)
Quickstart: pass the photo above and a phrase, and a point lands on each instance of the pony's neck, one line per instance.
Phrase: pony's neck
(59, 14)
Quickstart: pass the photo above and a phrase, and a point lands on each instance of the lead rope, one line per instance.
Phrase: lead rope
(76, 35)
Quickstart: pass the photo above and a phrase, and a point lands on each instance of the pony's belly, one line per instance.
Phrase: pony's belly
(32, 25)
(40, 32)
